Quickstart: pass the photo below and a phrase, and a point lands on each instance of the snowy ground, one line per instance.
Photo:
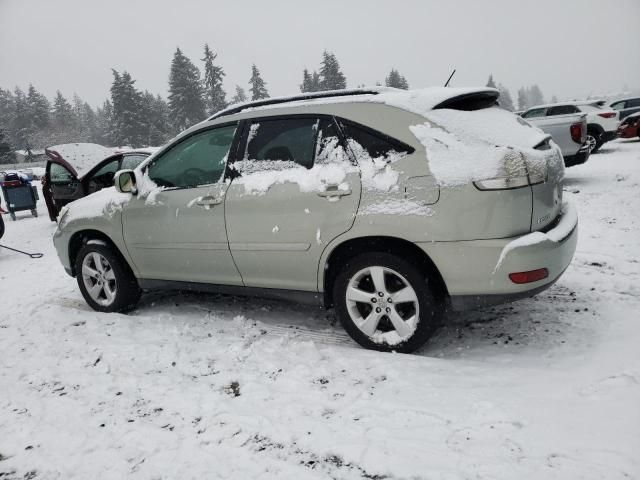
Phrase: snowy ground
(197, 386)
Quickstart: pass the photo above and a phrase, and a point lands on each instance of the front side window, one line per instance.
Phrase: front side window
(562, 110)
(104, 176)
(536, 112)
(376, 145)
(288, 140)
(59, 175)
(198, 160)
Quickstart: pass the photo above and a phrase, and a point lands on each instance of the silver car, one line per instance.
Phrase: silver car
(389, 205)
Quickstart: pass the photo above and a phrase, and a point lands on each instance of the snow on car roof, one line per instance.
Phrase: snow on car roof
(418, 100)
(82, 156)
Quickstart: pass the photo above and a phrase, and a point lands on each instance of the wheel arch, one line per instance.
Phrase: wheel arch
(594, 127)
(350, 248)
(84, 237)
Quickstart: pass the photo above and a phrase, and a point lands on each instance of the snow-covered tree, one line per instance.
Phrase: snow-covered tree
(104, 125)
(215, 96)
(491, 83)
(6, 155)
(395, 80)
(523, 100)
(240, 96)
(128, 122)
(535, 96)
(38, 107)
(62, 111)
(258, 87)
(505, 100)
(186, 97)
(156, 113)
(310, 81)
(21, 120)
(331, 77)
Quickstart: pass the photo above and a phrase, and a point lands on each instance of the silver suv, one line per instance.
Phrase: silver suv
(390, 206)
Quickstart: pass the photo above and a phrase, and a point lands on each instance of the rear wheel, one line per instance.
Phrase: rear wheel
(105, 280)
(13, 216)
(386, 303)
(594, 140)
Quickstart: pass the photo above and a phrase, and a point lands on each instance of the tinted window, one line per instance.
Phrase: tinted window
(375, 144)
(562, 110)
(59, 174)
(198, 160)
(289, 140)
(536, 112)
(633, 103)
(129, 162)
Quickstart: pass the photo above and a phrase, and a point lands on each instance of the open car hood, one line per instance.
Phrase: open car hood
(79, 158)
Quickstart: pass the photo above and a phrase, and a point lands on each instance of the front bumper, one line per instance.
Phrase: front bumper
(476, 272)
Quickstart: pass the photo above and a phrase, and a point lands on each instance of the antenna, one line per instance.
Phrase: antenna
(450, 76)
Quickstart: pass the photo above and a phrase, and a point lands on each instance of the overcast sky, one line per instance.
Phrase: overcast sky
(568, 47)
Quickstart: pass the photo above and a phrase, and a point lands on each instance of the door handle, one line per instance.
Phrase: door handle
(208, 201)
(332, 191)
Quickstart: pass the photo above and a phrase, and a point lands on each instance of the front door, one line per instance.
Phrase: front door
(176, 231)
(61, 186)
(297, 191)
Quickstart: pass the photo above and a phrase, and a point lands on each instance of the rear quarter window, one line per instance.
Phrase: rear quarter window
(376, 144)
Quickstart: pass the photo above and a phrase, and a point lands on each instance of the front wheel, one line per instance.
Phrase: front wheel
(105, 280)
(385, 303)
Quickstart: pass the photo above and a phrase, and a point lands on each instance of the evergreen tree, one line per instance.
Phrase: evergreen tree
(62, 112)
(535, 96)
(21, 120)
(6, 155)
(331, 77)
(240, 96)
(186, 97)
(38, 108)
(128, 122)
(554, 99)
(258, 87)
(523, 100)
(104, 118)
(156, 111)
(491, 83)
(214, 94)
(505, 100)
(307, 79)
(395, 80)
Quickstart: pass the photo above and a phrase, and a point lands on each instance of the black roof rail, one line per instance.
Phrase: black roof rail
(295, 98)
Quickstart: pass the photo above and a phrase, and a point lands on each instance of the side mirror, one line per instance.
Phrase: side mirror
(125, 182)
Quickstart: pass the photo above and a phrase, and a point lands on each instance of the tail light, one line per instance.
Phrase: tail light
(515, 174)
(577, 130)
(530, 276)
(607, 114)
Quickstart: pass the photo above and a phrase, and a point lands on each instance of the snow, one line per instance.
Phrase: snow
(211, 386)
(467, 146)
(396, 207)
(556, 234)
(103, 202)
(82, 156)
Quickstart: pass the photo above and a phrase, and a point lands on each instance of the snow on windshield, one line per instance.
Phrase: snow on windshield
(82, 156)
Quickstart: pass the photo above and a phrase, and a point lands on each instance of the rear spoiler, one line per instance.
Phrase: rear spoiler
(471, 101)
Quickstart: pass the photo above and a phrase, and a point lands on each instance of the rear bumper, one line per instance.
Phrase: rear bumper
(578, 159)
(476, 272)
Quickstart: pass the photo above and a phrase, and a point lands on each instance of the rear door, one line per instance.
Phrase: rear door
(296, 190)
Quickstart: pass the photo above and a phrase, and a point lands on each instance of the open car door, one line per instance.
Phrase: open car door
(60, 184)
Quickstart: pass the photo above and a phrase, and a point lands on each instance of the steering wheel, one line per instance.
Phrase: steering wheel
(193, 176)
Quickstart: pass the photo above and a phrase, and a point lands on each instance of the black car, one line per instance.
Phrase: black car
(626, 106)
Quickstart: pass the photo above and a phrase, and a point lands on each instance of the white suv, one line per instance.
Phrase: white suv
(387, 204)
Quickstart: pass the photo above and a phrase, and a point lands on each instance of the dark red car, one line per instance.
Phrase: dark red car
(76, 170)
(630, 126)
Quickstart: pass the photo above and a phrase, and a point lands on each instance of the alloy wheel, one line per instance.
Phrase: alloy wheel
(99, 279)
(591, 142)
(383, 305)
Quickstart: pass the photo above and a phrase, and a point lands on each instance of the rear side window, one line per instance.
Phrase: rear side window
(562, 110)
(536, 112)
(633, 103)
(288, 140)
(376, 144)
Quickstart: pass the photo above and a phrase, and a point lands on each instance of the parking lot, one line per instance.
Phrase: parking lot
(547, 387)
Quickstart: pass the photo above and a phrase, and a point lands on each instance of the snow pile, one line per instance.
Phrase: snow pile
(82, 156)
(464, 146)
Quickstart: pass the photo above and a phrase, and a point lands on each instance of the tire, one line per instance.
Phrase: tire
(115, 289)
(419, 317)
(595, 137)
(34, 212)
(13, 216)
